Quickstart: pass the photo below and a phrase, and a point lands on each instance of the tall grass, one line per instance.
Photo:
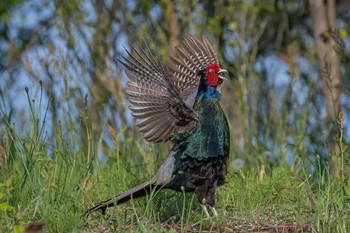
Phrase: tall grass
(53, 178)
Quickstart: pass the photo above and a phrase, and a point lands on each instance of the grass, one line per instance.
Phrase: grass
(52, 180)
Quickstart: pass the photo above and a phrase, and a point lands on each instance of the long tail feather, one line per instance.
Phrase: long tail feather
(138, 191)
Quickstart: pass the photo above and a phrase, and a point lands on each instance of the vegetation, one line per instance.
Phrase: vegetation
(67, 140)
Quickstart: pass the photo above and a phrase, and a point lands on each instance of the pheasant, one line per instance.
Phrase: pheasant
(181, 105)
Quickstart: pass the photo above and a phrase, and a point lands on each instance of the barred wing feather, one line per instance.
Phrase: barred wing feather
(155, 102)
(191, 56)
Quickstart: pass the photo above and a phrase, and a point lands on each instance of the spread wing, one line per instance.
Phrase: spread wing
(155, 102)
(191, 56)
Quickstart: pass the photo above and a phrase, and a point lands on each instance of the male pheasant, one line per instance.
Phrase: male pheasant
(181, 105)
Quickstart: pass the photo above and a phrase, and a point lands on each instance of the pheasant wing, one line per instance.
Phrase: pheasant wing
(154, 100)
(191, 56)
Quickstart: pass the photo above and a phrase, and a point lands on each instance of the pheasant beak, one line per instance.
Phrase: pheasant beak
(221, 79)
(222, 71)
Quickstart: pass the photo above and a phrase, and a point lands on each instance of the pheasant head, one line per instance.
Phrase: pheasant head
(210, 82)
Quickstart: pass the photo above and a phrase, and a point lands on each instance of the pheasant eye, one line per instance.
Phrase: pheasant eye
(210, 71)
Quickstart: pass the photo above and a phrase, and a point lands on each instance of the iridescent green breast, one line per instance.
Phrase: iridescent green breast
(209, 140)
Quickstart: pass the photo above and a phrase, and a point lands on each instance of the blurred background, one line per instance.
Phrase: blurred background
(286, 97)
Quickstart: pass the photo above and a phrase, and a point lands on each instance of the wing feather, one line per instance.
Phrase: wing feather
(191, 56)
(155, 101)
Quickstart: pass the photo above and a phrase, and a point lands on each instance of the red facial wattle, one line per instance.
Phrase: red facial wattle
(211, 72)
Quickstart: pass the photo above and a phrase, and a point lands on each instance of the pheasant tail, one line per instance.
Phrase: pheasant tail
(136, 192)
